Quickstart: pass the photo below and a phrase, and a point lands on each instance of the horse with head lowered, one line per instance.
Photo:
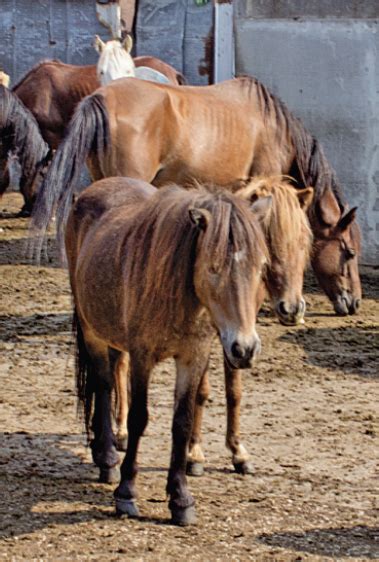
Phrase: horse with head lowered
(223, 134)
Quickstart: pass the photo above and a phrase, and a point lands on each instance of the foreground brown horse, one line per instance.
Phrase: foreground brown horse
(151, 277)
(289, 241)
(19, 133)
(223, 134)
(51, 90)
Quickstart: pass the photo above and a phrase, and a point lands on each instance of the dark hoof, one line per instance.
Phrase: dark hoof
(110, 475)
(121, 443)
(195, 468)
(126, 507)
(183, 516)
(244, 467)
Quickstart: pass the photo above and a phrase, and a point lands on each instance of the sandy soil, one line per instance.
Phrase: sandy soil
(310, 422)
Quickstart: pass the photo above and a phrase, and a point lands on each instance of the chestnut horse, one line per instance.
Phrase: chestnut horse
(51, 90)
(200, 256)
(224, 134)
(289, 241)
(19, 133)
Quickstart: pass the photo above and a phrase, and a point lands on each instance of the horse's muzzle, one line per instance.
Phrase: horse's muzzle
(346, 304)
(242, 356)
(290, 314)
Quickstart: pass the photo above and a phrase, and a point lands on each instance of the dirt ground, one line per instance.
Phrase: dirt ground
(310, 422)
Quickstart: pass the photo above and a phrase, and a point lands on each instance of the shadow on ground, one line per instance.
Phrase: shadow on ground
(355, 542)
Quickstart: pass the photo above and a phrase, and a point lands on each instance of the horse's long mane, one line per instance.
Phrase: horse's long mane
(310, 166)
(34, 68)
(168, 232)
(286, 223)
(20, 132)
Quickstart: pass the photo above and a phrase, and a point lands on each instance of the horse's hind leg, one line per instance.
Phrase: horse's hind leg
(121, 386)
(104, 452)
(195, 456)
(233, 388)
(125, 494)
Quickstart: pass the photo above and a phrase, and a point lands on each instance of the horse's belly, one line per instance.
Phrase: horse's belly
(210, 171)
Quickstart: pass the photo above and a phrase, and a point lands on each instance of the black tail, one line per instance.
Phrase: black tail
(88, 134)
(20, 134)
(85, 386)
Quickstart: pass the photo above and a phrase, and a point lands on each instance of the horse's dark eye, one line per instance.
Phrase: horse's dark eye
(350, 253)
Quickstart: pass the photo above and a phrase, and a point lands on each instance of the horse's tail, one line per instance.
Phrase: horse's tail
(85, 387)
(88, 133)
(22, 136)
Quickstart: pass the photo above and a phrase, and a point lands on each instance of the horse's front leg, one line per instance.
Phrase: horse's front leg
(125, 494)
(121, 386)
(195, 456)
(188, 375)
(233, 389)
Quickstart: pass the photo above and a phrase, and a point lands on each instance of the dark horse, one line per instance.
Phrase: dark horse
(152, 277)
(222, 134)
(19, 133)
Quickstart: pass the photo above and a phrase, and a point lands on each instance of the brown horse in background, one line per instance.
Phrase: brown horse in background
(52, 89)
(223, 134)
(289, 241)
(200, 256)
(20, 134)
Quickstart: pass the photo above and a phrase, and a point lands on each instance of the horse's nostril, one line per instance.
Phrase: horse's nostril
(354, 307)
(237, 351)
(283, 308)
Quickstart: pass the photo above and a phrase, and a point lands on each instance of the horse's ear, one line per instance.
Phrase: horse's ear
(199, 217)
(262, 207)
(98, 44)
(127, 43)
(347, 219)
(327, 209)
(305, 197)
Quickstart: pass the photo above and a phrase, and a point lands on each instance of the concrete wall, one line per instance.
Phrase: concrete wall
(34, 30)
(180, 33)
(321, 59)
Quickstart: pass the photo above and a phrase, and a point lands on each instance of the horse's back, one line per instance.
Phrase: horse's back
(169, 71)
(99, 198)
(180, 132)
(51, 91)
(146, 73)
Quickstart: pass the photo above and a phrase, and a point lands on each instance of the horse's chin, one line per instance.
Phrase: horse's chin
(290, 321)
